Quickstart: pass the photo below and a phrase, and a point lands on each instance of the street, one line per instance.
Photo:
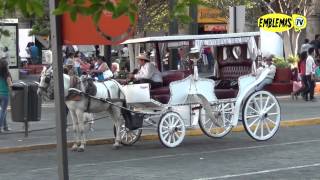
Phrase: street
(292, 154)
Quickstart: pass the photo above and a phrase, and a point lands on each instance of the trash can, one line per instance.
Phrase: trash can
(25, 102)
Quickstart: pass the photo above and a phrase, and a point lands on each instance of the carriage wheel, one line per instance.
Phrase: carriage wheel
(128, 137)
(223, 112)
(261, 115)
(171, 129)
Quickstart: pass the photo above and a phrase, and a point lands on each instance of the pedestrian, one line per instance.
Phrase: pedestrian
(209, 55)
(316, 45)
(310, 73)
(5, 86)
(28, 51)
(34, 50)
(101, 72)
(305, 46)
(77, 63)
(302, 71)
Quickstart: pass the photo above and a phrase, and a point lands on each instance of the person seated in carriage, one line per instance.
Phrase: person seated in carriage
(266, 64)
(148, 73)
(101, 71)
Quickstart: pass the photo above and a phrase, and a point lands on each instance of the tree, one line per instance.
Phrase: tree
(303, 7)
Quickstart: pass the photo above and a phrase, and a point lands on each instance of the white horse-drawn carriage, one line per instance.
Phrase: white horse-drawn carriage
(192, 100)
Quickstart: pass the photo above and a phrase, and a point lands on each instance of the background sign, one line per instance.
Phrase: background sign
(11, 42)
(210, 15)
(84, 32)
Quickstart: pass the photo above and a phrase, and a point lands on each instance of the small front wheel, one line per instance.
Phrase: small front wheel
(171, 129)
(128, 137)
(261, 115)
(223, 113)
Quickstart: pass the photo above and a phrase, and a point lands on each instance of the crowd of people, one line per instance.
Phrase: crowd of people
(308, 68)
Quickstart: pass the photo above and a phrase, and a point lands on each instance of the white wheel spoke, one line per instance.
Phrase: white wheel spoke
(256, 104)
(261, 101)
(176, 123)
(253, 122)
(253, 109)
(252, 116)
(165, 135)
(268, 128)
(211, 126)
(176, 135)
(165, 123)
(172, 138)
(266, 104)
(272, 114)
(165, 131)
(207, 121)
(257, 127)
(261, 129)
(269, 108)
(271, 121)
(122, 136)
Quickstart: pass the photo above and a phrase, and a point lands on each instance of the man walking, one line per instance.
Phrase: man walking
(310, 72)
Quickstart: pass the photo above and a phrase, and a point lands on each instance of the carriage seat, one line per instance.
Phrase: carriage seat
(162, 94)
(229, 74)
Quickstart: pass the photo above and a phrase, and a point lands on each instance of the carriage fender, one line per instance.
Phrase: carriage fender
(247, 85)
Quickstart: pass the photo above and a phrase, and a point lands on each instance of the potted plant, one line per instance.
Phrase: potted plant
(283, 73)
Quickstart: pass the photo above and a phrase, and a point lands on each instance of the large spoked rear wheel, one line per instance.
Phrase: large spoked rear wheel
(171, 129)
(261, 115)
(223, 113)
(128, 137)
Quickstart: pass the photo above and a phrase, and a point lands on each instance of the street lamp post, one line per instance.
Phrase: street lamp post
(57, 63)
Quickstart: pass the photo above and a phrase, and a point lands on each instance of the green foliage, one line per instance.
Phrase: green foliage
(280, 62)
(293, 59)
(27, 7)
(41, 27)
(96, 8)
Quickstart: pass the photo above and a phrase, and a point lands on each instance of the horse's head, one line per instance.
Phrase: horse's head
(87, 85)
(46, 83)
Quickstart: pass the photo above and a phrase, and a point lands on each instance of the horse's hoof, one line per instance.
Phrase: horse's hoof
(80, 149)
(116, 146)
(74, 148)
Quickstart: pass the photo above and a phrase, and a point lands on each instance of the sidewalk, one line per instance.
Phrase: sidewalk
(103, 129)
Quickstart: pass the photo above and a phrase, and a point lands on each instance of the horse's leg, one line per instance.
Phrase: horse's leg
(75, 127)
(81, 119)
(90, 119)
(116, 114)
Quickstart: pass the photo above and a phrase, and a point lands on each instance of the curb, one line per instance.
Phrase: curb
(149, 137)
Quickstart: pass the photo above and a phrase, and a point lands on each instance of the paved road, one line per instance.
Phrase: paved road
(290, 110)
(292, 154)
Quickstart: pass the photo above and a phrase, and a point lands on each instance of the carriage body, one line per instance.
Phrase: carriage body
(193, 102)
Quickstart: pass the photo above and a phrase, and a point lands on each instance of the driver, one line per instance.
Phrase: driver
(147, 73)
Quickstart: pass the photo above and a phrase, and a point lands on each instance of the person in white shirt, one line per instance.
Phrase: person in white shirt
(310, 71)
(305, 46)
(147, 73)
(268, 80)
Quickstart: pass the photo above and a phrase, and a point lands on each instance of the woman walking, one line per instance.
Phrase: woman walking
(5, 86)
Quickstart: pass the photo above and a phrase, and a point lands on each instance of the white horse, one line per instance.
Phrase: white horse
(78, 104)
